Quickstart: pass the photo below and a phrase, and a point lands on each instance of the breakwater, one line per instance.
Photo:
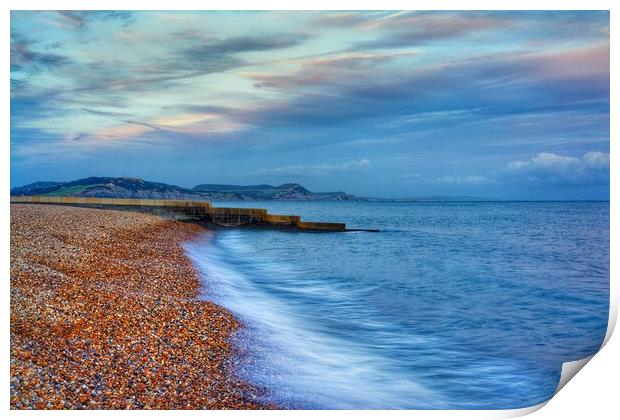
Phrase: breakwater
(197, 211)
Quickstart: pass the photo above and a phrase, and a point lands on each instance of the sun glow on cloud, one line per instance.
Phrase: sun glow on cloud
(468, 91)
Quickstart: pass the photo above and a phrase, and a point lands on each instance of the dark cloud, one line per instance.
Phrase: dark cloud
(143, 124)
(494, 85)
(26, 57)
(80, 18)
(200, 57)
(256, 43)
(104, 113)
(219, 52)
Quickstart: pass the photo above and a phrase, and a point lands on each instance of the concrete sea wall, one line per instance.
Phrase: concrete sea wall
(199, 211)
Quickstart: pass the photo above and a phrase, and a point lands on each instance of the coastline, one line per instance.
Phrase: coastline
(105, 313)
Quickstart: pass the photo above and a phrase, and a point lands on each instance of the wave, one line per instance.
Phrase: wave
(282, 348)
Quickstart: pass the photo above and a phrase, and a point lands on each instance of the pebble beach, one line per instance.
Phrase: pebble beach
(106, 314)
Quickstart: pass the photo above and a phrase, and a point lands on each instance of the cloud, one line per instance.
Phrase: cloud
(333, 69)
(79, 18)
(323, 93)
(202, 125)
(251, 43)
(463, 180)
(190, 58)
(25, 57)
(345, 19)
(550, 168)
(252, 87)
(320, 169)
(407, 28)
(412, 29)
(221, 52)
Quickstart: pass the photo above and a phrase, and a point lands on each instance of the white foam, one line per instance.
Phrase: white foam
(300, 365)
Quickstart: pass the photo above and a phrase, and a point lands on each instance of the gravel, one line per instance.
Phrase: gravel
(105, 314)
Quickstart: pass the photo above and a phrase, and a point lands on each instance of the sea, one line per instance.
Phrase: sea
(452, 305)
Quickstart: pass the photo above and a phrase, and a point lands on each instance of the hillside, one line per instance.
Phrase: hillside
(123, 187)
(269, 192)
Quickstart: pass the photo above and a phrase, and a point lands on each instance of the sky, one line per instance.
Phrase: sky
(504, 104)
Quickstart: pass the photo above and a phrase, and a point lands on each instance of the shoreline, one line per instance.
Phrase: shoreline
(106, 314)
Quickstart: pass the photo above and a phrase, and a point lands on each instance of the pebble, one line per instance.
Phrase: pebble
(105, 313)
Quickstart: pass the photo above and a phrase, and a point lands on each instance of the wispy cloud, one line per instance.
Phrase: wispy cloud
(78, 19)
(414, 29)
(323, 93)
(317, 169)
(463, 180)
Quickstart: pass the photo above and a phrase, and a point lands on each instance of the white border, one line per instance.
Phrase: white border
(596, 384)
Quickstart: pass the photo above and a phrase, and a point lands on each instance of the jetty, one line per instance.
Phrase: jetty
(194, 211)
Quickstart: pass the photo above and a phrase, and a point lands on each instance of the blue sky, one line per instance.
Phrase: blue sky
(508, 105)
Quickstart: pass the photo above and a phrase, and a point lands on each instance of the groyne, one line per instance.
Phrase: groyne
(196, 211)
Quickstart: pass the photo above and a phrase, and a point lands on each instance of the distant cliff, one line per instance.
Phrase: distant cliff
(137, 188)
(269, 192)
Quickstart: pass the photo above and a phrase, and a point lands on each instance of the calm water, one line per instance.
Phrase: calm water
(452, 305)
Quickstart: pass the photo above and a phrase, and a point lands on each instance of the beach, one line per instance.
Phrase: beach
(106, 314)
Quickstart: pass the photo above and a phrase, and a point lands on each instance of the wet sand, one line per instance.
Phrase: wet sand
(105, 313)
